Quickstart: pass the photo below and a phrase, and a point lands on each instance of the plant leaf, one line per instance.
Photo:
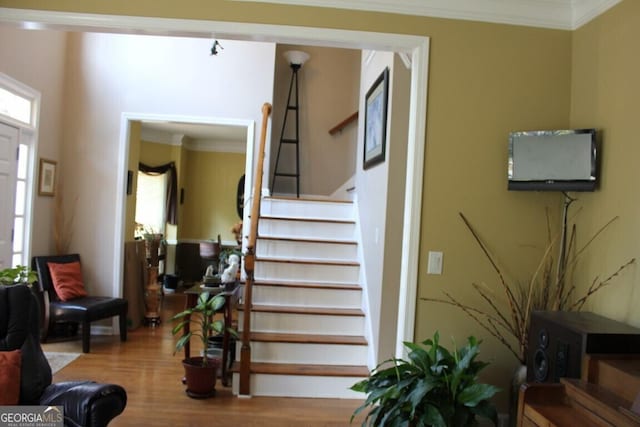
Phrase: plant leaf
(475, 393)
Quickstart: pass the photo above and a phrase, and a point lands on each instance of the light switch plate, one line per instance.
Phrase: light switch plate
(435, 263)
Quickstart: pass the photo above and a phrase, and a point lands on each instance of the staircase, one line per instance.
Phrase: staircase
(307, 333)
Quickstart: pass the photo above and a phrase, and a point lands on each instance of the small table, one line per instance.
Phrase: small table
(192, 298)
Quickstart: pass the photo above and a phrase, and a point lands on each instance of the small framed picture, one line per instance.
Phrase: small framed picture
(47, 180)
(375, 119)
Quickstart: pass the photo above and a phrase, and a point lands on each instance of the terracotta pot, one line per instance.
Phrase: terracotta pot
(200, 380)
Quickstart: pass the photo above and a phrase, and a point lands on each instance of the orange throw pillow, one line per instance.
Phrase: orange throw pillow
(10, 377)
(67, 280)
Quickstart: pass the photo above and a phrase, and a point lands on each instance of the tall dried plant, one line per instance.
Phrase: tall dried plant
(62, 226)
(543, 291)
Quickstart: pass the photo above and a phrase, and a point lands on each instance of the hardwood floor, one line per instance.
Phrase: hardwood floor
(146, 367)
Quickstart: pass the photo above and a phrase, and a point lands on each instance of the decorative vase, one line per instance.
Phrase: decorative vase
(152, 298)
(200, 380)
(518, 378)
(152, 248)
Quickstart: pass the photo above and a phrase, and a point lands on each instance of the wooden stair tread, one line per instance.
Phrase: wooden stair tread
(308, 240)
(309, 261)
(307, 219)
(308, 338)
(557, 415)
(306, 370)
(328, 311)
(331, 286)
(307, 199)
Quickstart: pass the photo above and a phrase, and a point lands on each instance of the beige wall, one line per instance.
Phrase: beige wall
(24, 55)
(605, 94)
(485, 80)
(328, 85)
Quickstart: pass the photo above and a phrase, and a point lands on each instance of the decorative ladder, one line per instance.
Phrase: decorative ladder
(290, 141)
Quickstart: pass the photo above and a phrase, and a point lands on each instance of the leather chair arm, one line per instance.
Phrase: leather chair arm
(86, 403)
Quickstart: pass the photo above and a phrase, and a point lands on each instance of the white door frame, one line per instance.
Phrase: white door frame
(28, 135)
(123, 162)
(416, 46)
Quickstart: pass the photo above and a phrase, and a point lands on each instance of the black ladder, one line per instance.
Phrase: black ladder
(293, 141)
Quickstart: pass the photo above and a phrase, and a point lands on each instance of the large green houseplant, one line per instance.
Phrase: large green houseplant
(201, 371)
(17, 275)
(434, 387)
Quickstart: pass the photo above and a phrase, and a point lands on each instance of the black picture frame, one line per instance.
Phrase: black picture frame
(375, 121)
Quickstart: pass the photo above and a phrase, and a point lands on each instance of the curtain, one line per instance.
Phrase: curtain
(172, 188)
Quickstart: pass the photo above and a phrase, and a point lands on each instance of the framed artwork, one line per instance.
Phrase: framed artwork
(47, 178)
(375, 119)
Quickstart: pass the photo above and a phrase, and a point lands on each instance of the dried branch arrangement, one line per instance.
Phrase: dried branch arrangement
(544, 291)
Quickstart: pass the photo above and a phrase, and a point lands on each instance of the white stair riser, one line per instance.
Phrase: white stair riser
(304, 323)
(265, 270)
(323, 297)
(305, 229)
(306, 250)
(308, 354)
(301, 386)
(302, 208)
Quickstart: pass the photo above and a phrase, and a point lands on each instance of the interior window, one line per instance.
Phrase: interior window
(151, 203)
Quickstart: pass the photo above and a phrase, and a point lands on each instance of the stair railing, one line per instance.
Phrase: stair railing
(249, 261)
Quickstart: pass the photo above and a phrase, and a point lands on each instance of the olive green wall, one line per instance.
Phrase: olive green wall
(485, 80)
(605, 94)
(211, 182)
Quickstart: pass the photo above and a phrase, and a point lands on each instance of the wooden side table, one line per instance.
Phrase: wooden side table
(192, 299)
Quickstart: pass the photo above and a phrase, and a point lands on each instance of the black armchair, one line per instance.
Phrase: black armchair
(85, 403)
(83, 310)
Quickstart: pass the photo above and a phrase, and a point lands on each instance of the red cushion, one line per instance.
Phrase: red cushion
(67, 280)
(10, 377)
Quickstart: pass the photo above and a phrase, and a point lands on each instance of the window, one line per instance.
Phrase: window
(19, 106)
(19, 219)
(151, 197)
(15, 106)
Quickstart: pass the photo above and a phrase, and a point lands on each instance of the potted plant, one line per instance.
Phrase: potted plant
(17, 275)
(201, 371)
(434, 387)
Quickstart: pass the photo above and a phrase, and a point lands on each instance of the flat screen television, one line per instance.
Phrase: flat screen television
(553, 160)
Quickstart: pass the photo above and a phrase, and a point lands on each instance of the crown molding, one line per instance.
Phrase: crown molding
(210, 145)
(216, 146)
(555, 14)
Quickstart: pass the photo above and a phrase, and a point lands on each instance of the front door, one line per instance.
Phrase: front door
(8, 162)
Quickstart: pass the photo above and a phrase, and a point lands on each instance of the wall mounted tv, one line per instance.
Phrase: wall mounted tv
(553, 160)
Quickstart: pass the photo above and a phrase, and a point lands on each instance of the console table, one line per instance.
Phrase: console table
(192, 298)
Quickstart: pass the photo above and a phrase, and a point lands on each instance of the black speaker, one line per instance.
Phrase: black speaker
(558, 340)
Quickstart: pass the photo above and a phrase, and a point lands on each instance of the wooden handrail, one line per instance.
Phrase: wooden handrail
(249, 261)
(338, 128)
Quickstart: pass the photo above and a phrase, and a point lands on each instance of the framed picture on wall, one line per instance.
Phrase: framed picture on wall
(375, 119)
(47, 178)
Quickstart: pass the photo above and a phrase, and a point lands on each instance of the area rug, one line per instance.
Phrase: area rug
(59, 360)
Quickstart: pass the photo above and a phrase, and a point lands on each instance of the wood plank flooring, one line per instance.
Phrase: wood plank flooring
(147, 368)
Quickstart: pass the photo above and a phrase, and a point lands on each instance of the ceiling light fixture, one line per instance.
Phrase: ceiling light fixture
(215, 47)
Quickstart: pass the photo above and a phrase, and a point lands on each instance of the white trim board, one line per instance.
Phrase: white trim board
(416, 46)
(556, 14)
